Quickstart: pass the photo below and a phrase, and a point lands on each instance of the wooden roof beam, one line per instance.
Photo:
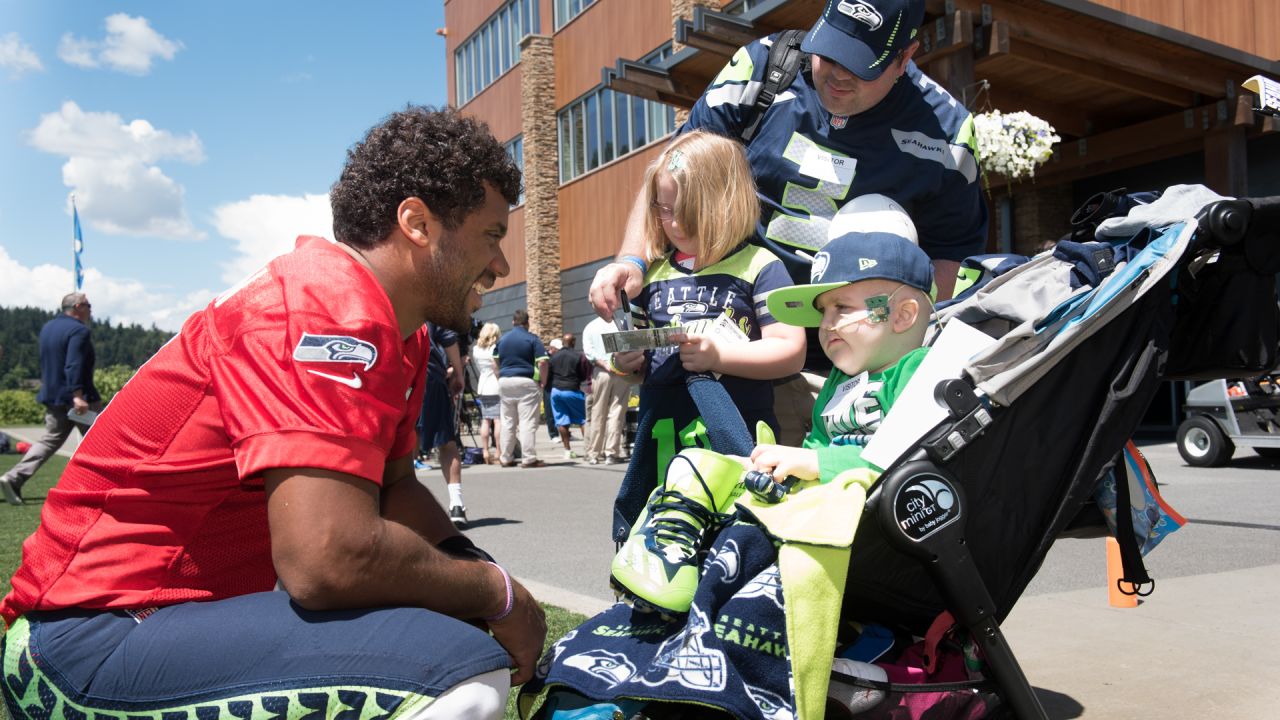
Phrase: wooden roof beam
(1066, 120)
(1147, 139)
(651, 83)
(730, 29)
(998, 42)
(1039, 29)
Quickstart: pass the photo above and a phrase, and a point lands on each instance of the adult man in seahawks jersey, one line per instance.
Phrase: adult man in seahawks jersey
(859, 119)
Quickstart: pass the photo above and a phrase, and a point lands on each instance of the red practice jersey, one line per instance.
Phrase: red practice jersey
(301, 365)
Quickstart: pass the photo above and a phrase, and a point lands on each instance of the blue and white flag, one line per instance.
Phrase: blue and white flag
(78, 245)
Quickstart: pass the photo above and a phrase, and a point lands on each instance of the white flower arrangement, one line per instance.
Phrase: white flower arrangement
(1013, 144)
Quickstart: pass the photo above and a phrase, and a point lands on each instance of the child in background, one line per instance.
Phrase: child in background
(702, 211)
(869, 296)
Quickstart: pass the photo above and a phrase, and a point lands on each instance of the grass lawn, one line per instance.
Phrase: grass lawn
(16, 523)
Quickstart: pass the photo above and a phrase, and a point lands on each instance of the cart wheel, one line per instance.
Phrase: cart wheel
(1268, 452)
(1202, 444)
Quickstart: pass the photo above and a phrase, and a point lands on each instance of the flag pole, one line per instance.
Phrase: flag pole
(77, 244)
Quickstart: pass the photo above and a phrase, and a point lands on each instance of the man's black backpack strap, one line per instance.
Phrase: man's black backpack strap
(785, 59)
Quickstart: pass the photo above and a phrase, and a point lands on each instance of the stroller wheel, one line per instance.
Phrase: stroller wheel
(1201, 442)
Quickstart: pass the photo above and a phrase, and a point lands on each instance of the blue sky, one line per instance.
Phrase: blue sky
(199, 139)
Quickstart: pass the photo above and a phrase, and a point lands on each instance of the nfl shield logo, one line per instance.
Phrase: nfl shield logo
(839, 121)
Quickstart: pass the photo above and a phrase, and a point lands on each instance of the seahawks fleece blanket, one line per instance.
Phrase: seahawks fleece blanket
(730, 651)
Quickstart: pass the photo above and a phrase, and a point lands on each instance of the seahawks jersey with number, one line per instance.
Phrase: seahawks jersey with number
(849, 410)
(916, 146)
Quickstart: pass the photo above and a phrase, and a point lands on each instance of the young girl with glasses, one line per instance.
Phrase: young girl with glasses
(706, 277)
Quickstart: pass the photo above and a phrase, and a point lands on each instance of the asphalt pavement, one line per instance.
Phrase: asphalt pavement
(1205, 644)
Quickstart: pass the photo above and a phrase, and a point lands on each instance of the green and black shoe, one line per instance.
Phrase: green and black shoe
(657, 567)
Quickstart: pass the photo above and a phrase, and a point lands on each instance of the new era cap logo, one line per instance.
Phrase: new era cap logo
(866, 263)
(863, 12)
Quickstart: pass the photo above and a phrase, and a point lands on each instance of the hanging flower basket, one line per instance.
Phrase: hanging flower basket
(1013, 144)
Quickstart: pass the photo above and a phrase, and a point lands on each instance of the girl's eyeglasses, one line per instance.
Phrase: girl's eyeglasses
(663, 212)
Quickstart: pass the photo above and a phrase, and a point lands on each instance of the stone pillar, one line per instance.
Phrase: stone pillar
(683, 10)
(1040, 213)
(541, 186)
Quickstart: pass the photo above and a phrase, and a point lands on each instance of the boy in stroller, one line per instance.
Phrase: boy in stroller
(869, 297)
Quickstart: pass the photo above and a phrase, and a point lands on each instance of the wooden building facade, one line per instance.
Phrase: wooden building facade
(1144, 93)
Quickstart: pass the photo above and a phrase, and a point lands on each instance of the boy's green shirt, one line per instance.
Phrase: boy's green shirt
(839, 435)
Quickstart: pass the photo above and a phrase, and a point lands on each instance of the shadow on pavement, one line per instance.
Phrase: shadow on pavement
(1059, 706)
(487, 522)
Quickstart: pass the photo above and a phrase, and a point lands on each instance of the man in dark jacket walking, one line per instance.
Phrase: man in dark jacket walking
(66, 388)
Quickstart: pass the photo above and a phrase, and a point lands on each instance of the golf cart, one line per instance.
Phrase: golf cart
(1222, 414)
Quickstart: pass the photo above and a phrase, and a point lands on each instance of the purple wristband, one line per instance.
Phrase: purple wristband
(511, 596)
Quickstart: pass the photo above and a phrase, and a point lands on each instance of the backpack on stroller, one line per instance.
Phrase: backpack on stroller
(961, 522)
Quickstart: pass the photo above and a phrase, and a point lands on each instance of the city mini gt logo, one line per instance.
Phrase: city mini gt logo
(924, 505)
(335, 349)
(863, 12)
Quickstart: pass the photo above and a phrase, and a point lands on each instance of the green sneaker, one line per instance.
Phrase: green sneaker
(657, 567)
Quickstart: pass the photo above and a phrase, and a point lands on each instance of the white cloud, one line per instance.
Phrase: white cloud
(130, 46)
(120, 299)
(111, 168)
(17, 56)
(265, 226)
(77, 51)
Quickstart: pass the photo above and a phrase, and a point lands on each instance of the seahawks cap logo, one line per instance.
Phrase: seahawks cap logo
(820, 263)
(335, 349)
(862, 12)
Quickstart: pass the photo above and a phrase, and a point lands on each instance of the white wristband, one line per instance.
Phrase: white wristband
(511, 597)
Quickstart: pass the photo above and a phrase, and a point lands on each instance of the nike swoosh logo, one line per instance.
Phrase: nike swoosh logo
(354, 382)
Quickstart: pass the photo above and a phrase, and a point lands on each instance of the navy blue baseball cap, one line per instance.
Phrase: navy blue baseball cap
(850, 258)
(864, 35)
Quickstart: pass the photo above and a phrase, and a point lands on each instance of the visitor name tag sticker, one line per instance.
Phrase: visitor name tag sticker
(844, 396)
(823, 165)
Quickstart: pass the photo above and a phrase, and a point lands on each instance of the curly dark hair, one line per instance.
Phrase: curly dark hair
(436, 155)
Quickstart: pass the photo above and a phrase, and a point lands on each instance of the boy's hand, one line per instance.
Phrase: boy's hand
(781, 461)
(698, 353)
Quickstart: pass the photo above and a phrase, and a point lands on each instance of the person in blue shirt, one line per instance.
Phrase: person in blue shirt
(519, 353)
(860, 118)
(66, 388)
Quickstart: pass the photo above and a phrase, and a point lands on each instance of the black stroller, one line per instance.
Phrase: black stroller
(1082, 342)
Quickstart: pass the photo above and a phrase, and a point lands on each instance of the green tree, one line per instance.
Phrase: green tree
(110, 379)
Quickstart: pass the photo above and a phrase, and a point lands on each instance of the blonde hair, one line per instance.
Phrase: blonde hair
(489, 335)
(716, 202)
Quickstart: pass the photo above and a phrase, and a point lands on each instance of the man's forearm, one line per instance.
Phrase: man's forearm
(334, 548)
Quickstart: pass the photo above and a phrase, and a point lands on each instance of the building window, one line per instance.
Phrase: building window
(603, 125)
(515, 150)
(567, 10)
(739, 7)
(493, 48)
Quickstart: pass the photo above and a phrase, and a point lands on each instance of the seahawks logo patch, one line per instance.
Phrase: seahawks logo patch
(819, 268)
(335, 349)
(863, 12)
